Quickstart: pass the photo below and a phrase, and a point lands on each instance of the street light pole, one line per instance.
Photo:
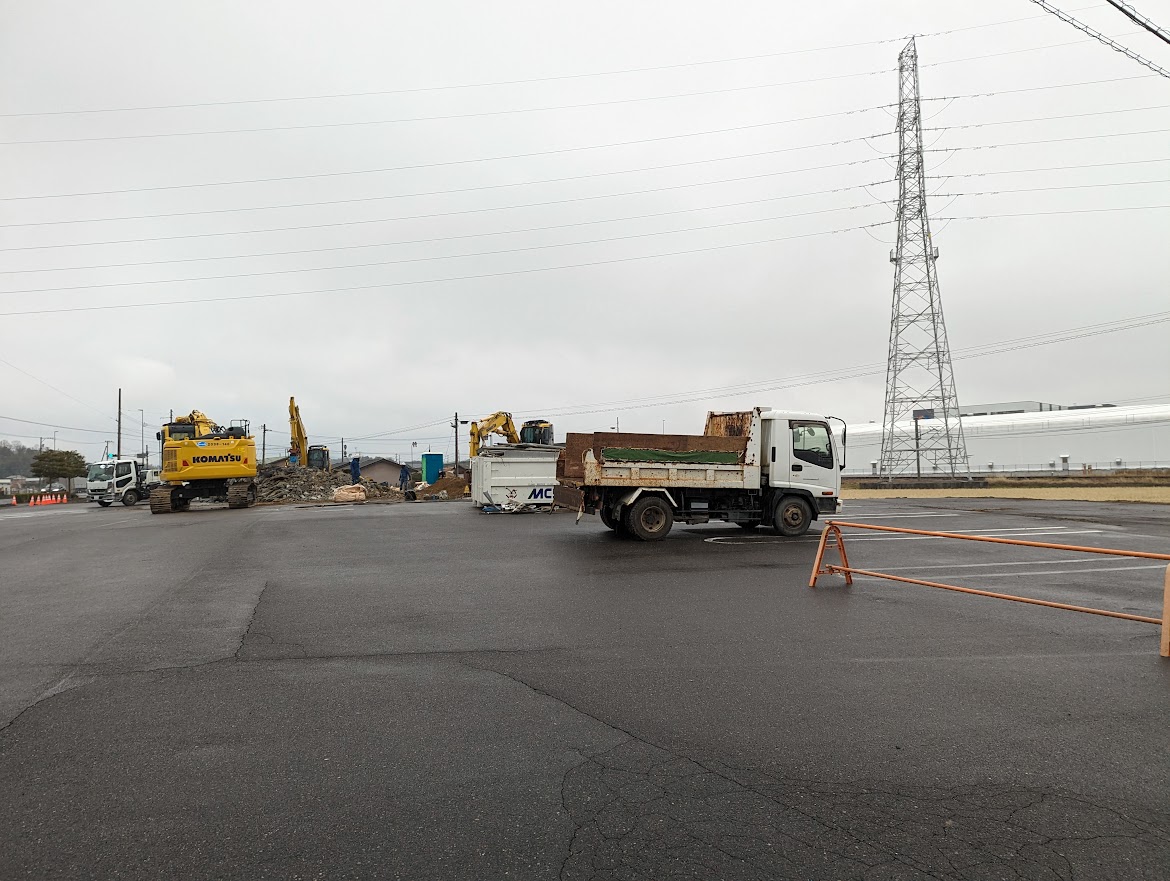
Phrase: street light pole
(142, 436)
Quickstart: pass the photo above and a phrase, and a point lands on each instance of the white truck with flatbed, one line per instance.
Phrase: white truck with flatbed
(760, 467)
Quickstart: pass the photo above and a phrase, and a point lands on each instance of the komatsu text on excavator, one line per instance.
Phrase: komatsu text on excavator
(203, 460)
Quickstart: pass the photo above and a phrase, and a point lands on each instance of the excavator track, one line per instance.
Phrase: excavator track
(162, 500)
(241, 494)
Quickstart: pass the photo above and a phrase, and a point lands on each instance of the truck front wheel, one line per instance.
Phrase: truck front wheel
(649, 518)
(792, 516)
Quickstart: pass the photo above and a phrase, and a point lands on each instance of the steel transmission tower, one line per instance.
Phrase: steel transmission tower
(921, 430)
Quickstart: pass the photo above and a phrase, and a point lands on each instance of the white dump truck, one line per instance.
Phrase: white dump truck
(758, 467)
(120, 480)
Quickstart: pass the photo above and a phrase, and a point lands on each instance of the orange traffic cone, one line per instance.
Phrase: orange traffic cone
(32, 500)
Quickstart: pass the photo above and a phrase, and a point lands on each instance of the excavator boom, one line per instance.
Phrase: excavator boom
(498, 423)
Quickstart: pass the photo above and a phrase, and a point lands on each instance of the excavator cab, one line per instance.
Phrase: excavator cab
(318, 458)
(536, 431)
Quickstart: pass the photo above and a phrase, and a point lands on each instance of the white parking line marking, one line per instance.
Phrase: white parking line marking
(861, 536)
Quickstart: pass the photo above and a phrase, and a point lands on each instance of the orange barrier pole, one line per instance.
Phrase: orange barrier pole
(1002, 541)
(1007, 596)
(1164, 649)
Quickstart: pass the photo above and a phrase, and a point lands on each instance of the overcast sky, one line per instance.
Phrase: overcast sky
(647, 244)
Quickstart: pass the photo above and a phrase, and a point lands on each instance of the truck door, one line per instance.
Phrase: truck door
(123, 477)
(813, 463)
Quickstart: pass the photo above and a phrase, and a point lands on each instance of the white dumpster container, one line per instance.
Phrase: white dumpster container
(521, 473)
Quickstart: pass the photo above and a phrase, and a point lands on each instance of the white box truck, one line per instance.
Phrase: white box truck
(760, 467)
(120, 480)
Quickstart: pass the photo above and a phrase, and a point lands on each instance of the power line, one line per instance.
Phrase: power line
(52, 425)
(533, 205)
(54, 388)
(467, 236)
(491, 113)
(1137, 18)
(856, 371)
(549, 152)
(1068, 211)
(473, 277)
(483, 187)
(478, 276)
(554, 78)
(623, 219)
(626, 237)
(1047, 118)
(1101, 38)
(550, 180)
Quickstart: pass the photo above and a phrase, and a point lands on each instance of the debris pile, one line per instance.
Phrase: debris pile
(284, 483)
(450, 487)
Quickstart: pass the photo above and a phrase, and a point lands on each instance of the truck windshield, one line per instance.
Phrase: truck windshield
(810, 443)
(100, 472)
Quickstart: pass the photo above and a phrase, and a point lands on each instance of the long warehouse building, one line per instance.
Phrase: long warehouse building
(1019, 437)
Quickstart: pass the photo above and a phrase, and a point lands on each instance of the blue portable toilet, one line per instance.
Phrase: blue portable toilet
(432, 464)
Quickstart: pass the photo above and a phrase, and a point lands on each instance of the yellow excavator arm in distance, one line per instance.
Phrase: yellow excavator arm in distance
(498, 423)
(298, 447)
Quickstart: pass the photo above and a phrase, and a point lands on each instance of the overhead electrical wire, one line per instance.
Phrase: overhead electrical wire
(481, 188)
(533, 205)
(1139, 19)
(431, 259)
(362, 199)
(995, 347)
(586, 147)
(1101, 38)
(499, 274)
(491, 113)
(475, 276)
(529, 80)
(299, 251)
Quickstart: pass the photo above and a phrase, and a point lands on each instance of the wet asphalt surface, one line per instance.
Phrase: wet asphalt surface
(420, 691)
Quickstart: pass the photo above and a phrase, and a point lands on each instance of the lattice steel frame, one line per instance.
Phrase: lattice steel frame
(919, 375)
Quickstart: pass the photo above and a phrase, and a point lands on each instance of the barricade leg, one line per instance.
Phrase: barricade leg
(1164, 649)
(819, 569)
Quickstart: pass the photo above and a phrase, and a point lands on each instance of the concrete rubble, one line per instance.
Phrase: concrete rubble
(282, 483)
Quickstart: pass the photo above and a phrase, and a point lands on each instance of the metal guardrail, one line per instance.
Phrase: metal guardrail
(833, 530)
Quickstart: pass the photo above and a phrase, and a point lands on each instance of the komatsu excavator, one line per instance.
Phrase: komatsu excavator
(534, 431)
(204, 460)
(299, 451)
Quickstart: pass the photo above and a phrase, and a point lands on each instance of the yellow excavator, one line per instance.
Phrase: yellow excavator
(534, 431)
(204, 460)
(299, 451)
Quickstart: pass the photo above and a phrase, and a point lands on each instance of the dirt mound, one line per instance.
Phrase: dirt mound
(453, 486)
(284, 483)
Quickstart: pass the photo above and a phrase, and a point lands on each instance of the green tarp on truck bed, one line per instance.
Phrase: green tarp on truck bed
(689, 457)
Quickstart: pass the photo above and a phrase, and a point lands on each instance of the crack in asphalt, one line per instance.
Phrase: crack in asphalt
(642, 810)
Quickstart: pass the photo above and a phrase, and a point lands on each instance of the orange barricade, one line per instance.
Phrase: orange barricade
(832, 530)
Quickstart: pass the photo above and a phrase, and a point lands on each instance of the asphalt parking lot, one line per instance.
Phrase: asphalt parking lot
(419, 691)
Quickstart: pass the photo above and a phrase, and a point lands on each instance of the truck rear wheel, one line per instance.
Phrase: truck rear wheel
(649, 518)
(130, 499)
(792, 516)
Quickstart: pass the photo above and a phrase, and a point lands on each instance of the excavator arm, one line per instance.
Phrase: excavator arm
(298, 447)
(498, 423)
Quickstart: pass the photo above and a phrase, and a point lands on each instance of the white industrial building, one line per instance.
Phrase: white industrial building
(1015, 437)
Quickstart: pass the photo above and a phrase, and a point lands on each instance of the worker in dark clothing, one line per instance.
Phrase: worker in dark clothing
(404, 478)
(355, 469)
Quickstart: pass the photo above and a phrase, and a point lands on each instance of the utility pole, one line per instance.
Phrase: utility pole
(263, 443)
(455, 425)
(119, 423)
(142, 437)
(920, 383)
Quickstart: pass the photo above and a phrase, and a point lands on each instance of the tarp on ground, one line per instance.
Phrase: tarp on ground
(689, 457)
